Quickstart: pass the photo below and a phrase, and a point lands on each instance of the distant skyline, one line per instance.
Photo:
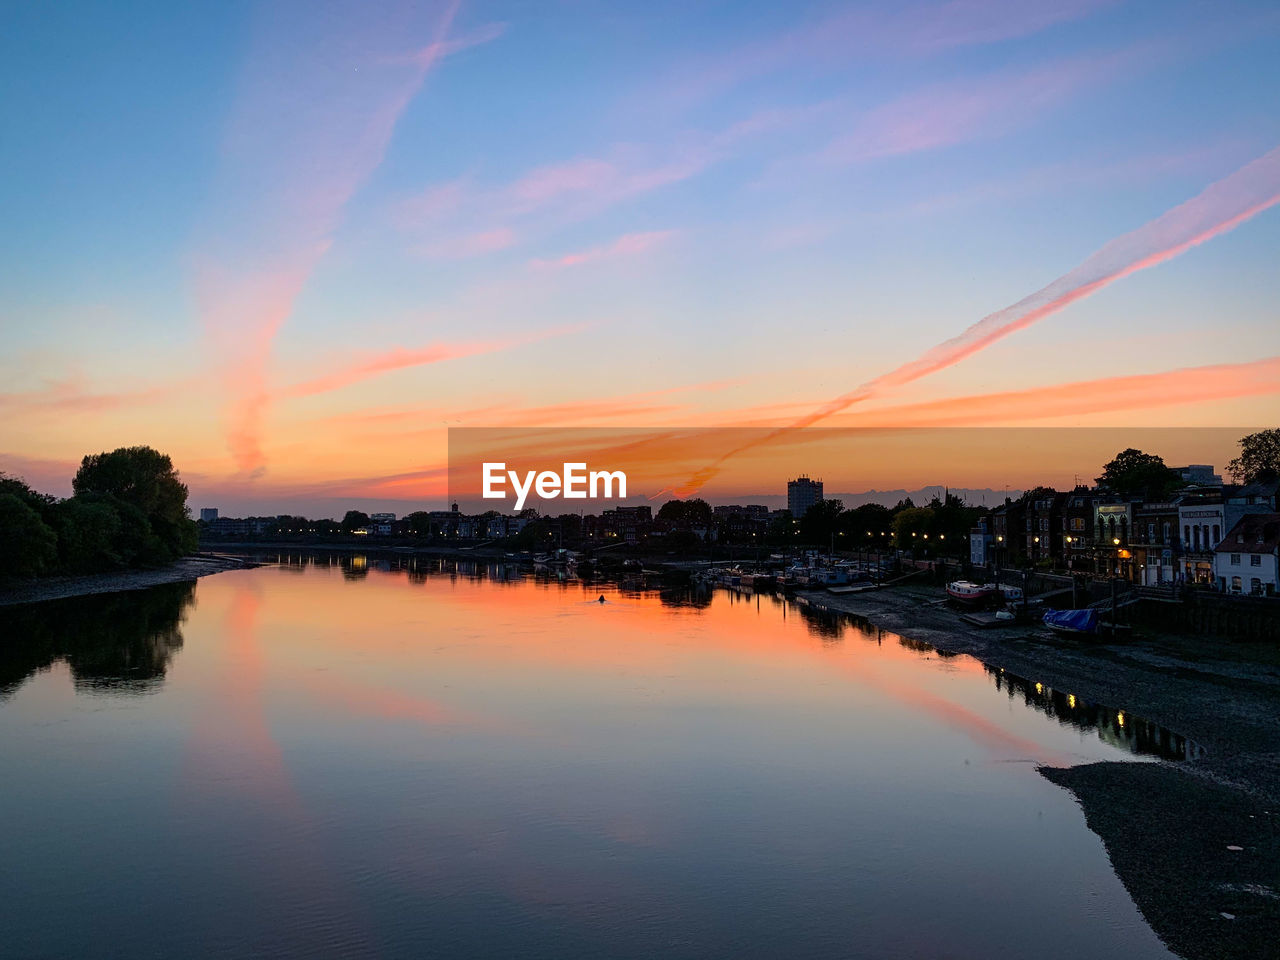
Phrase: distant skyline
(291, 244)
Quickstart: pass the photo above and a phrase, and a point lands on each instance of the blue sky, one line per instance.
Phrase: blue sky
(474, 213)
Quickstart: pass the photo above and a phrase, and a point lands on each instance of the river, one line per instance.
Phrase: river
(348, 757)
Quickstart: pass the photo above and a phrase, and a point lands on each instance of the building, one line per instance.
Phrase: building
(1077, 529)
(803, 493)
(1198, 475)
(1250, 498)
(1042, 523)
(627, 523)
(1247, 561)
(1154, 542)
(1007, 526)
(208, 514)
(1201, 523)
(1112, 521)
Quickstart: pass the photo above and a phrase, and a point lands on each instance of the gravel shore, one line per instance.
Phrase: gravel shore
(1196, 843)
(57, 588)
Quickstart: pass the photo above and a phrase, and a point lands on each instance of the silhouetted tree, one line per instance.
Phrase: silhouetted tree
(1132, 473)
(1259, 458)
(145, 479)
(27, 546)
(353, 520)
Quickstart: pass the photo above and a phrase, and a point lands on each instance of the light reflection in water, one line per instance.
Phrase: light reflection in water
(394, 757)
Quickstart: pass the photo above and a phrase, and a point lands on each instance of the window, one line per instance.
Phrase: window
(1255, 559)
(1216, 535)
(1255, 586)
(1186, 534)
(1151, 533)
(1235, 584)
(1235, 561)
(1166, 532)
(1077, 523)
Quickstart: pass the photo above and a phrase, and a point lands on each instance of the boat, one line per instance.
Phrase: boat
(1072, 621)
(1010, 592)
(966, 591)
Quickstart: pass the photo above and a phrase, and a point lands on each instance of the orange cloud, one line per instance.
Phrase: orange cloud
(319, 101)
(1220, 207)
(400, 358)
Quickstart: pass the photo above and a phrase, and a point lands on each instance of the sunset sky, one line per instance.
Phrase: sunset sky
(291, 244)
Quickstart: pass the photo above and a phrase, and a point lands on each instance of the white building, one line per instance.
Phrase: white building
(1247, 561)
(803, 493)
(1201, 524)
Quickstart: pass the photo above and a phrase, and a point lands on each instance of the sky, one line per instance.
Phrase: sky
(292, 244)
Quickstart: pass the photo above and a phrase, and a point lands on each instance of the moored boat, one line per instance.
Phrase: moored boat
(966, 591)
(1072, 621)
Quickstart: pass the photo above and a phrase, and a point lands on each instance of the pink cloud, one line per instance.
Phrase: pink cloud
(400, 358)
(626, 245)
(951, 113)
(552, 195)
(1219, 208)
(474, 245)
(319, 99)
(890, 32)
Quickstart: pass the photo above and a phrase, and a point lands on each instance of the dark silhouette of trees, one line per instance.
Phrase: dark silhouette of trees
(144, 479)
(129, 509)
(353, 520)
(1259, 459)
(1132, 473)
(28, 547)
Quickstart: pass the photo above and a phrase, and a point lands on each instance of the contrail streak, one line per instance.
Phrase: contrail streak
(1220, 207)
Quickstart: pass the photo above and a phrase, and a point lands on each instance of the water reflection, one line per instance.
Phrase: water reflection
(1113, 726)
(114, 643)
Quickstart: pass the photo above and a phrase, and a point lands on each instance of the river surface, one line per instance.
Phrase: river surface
(359, 759)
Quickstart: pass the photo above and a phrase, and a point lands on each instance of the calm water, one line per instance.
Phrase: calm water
(306, 761)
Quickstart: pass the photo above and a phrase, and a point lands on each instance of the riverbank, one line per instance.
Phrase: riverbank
(180, 571)
(1197, 842)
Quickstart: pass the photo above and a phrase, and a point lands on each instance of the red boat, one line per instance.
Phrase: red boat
(965, 591)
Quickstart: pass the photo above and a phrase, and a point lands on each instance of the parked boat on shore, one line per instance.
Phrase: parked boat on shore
(968, 592)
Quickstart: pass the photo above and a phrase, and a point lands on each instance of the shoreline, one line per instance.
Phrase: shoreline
(1195, 842)
(120, 581)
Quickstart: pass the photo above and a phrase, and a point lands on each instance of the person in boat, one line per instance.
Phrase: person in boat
(602, 599)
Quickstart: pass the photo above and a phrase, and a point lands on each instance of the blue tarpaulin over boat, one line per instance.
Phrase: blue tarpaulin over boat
(1083, 621)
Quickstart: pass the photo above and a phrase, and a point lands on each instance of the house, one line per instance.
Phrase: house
(1247, 561)
(1112, 522)
(1077, 529)
(1154, 542)
(1201, 522)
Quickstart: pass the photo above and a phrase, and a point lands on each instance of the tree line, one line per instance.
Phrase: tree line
(128, 509)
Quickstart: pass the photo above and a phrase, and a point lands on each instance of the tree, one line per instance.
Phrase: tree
(912, 520)
(819, 522)
(1133, 473)
(419, 523)
(1259, 459)
(88, 531)
(536, 533)
(686, 513)
(353, 520)
(27, 546)
(866, 523)
(145, 479)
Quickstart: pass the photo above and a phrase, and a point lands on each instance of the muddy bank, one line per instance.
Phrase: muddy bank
(57, 588)
(1224, 696)
(1200, 859)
